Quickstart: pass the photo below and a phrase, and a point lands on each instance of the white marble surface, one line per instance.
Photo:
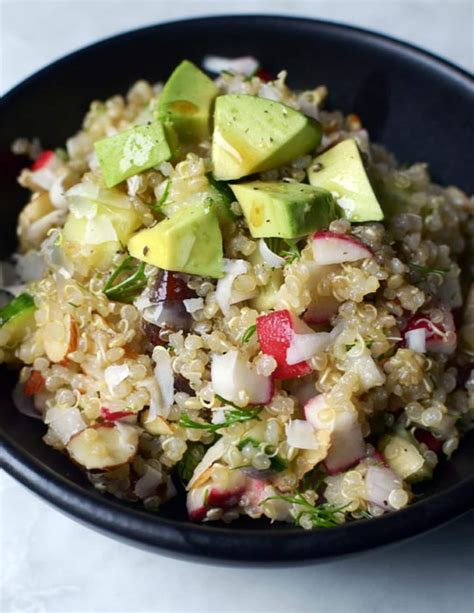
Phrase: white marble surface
(50, 563)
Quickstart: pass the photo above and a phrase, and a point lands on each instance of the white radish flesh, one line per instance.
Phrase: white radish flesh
(231, 374)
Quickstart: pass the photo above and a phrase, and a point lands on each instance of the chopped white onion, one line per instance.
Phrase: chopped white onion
(43, 178)
(232, 269)
(305, 346)
(301, 435)
(416, 340)
(246, 65)
(232, 374)
(193, 304)
(364, 365)
(115, 374)
(165, 377)
(269, 257)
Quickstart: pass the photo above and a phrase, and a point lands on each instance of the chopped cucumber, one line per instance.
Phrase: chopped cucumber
(16, 320)
(403, 456)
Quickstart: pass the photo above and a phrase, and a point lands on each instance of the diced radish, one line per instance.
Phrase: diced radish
(333, 248)
(225, 494)
(440, 336)
(347, 442)
(433, 443)
(43, 160)
(275, 334)
(380, 481)
(44, 170)
(231, 373)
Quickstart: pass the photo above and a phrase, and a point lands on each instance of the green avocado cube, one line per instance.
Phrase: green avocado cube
(341, 171)
(185, 102)
(254, 134)
(189, 241)
(133, 151)
(284, 210)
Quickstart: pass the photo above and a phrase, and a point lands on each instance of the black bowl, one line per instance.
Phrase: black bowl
(415, 103)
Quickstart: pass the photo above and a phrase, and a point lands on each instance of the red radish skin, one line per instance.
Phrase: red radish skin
(264, 75)
(435, 342)
(433, 443)
(111, 416)
(275, 332)
(333, 248)
(43, 160)
(216, 498)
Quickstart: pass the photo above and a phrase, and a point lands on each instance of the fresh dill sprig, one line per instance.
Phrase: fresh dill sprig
(427, 270)
(164, 197)
(129, 288)
(247, 335)
(321, 516)
(234, 416)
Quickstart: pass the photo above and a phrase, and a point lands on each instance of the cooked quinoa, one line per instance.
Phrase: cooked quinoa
(155, 379)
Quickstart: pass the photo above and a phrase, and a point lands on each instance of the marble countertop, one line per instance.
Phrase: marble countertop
(49, 562)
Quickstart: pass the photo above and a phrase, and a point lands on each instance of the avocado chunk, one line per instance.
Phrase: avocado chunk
(185, 102)
(190, 241)
(254, 134)
(341, 171)
(285, 210)
(403, 456)
(16, 321)
(100, 221)
(133, 151)
(223, 197)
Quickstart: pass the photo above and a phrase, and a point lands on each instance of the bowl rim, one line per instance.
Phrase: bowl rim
(211, 542)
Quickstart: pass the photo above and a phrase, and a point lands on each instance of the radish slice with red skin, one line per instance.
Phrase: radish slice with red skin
(43, 160)
(333, 248)
(225, 494)
(275, 334)
(440, 337)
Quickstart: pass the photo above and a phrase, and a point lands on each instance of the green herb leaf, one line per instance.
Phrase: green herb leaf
(368, 344)
(164, 197)
(426, 270)
(20, 303)
(73, 304)
(284, 247)
(236, 415)
(247, 335)
(131, 286)
(193, 455)
(321, 516)
(314, 479)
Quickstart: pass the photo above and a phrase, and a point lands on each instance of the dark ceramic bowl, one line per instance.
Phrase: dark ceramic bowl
(415, 103)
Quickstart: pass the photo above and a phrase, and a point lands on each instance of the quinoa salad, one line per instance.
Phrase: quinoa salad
(222, 288)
